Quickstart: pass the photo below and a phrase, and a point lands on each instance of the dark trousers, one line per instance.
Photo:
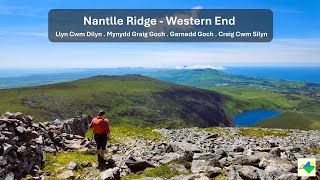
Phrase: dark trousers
(101, 140)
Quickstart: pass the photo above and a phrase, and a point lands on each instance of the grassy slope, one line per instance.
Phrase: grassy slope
(132, 99)
(247, 93)
(292, 120)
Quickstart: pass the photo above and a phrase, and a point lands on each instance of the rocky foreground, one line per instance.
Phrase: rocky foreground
(192, 153)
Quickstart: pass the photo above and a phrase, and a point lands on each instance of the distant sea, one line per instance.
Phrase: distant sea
(10, 78)
(305, 74)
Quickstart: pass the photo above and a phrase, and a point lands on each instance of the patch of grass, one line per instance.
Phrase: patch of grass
(313, 150)
(260, 133)
(161, 171)
(222, 176)
(213, 130)
(54, 162)
(121, 133)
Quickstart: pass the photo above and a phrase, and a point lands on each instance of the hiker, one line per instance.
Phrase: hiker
(101, 130)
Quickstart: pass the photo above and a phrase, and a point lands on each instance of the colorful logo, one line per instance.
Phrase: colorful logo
(307, 167)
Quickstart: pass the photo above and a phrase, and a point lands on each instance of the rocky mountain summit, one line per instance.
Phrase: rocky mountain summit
(178, 154)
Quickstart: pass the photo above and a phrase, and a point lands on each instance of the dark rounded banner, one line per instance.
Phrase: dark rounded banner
(160, 25)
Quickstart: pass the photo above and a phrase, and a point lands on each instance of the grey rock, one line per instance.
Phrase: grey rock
(20, 130)
(233, 174)
(66, 175)
(8, 134)
(203, 156)
(49, 149)
(72, 165)
(178, 167)
(28, 135)
(238, 149)
(274, 171)
(213, 172)
(3, 161)
(110, 174)
(57, 139)
(78, 125)
(199, 166)
(137, 164)
(9, 176)
(18, 115)
(180, 177)
(167, 157)
(86, 164)
(249, 172)
(202, 177)
(7, 115)
(6, 148)
(28, 119)
(220, 153)
(212, 136)
(247, 160)
(263, 163)
(276, 151)
(291, 176)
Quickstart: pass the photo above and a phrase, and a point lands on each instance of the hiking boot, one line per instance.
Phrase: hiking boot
(101, 161)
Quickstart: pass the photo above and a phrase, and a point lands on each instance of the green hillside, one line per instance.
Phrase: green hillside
(244, 93)
(131, 99)
(293, 120)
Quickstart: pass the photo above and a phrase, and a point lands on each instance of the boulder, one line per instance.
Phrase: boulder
(3, 161)
(199, 166)
(247, 160)
(72, 165)
(18, 115)
(20, 130)
(66, 175)
(167, 158)
(49, 149)
(110, 174)
(291, 176)
(137, 164)
(6, 148)
(178, 167)
(9, 176)
(29, 134)
(78, 125)
(7, 115)
(238, 149)
(86, 164)
(249, 172)
(233, 174)
(213, 172)
(220, 153)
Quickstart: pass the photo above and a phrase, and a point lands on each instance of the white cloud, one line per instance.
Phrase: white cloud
(198, 7)
(201, 67)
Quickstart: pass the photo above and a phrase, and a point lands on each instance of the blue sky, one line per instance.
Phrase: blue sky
(24, 42)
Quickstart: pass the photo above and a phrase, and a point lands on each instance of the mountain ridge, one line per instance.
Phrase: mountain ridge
(129, 99)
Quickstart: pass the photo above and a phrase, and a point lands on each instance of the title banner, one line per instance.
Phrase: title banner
(159, 25)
